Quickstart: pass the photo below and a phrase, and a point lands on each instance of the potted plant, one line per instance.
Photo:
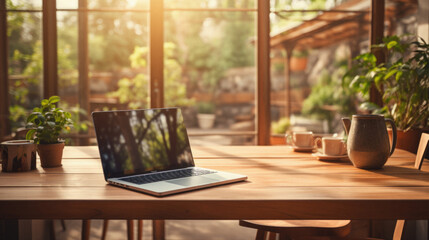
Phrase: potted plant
(278, 130)
(205, 114)
(298, 60)
(403, 82)
(45, 124)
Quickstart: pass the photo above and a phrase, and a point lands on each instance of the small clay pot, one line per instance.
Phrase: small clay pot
(51, 154)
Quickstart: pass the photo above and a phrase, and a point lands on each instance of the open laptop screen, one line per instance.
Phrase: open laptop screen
(139, 141)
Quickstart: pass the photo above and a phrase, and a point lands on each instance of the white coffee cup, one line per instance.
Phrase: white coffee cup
(300, 139)
(331, 146)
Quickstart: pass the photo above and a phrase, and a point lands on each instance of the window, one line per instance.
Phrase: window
(108, 56)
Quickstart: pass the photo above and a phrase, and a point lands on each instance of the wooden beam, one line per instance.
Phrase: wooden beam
(263, 75)
(156, 53)
(376, 37)
(312, 29)
(83, 64)
(4, 81)
(4, 77)
(50, 62)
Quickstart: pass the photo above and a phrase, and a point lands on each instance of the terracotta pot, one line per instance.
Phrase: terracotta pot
(50, 154)
(298, 63)
(277, 140)
(408, 140)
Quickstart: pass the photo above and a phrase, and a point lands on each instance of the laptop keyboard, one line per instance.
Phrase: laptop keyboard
(162, 176)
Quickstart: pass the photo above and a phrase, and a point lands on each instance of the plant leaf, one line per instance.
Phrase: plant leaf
(45, 102)
(54, 99)
(30, 134)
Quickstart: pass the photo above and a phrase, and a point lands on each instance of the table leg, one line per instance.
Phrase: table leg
(158, 229)
(86, 228)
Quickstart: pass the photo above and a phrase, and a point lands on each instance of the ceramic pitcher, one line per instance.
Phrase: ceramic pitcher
(368, 145)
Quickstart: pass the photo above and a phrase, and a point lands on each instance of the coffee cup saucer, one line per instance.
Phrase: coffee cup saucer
(321, 156)
(303, 149)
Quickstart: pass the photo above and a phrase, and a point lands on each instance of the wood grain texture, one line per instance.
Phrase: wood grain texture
(281, 184)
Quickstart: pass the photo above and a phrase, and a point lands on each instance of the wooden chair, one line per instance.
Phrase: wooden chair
(422, 151)
(298, 229)
(317, 229)
(130, 229)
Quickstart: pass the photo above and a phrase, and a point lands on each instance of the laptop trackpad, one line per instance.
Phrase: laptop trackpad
(193, 181)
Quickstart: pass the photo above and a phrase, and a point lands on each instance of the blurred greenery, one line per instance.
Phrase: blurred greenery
(135, 92)
(205, 107)
(328, 97)
(281, 126)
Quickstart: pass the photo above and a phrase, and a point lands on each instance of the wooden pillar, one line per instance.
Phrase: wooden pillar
(263, 75)
(83, 63)
(156, 64)
(376, 37)
(4, 78)
(50, 61)
(288, 48)
(156, 53)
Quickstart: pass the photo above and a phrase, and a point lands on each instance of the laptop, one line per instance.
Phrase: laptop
(148, 151)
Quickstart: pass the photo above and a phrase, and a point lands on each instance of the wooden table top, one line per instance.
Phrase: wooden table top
(281, 184)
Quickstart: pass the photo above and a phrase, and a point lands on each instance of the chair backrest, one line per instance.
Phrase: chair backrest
(422, 151)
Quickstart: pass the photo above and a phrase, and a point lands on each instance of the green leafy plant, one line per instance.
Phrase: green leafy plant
(46, 123)
(205, 107)
(281, 126)
(403, 81)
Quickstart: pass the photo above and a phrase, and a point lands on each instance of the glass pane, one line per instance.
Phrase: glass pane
(25, 65)
(67, 4)
(67, 52)
(209, 62)
(210, 4)
(118, 53)
(24, 4)
(310, 96)
(123, 4)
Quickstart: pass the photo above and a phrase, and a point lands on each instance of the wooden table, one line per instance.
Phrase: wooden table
(282, 184)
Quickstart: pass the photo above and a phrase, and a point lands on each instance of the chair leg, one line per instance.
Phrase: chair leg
(158, 229)
(397, 234)
(130, 229)
(86, 227)
(63, 224)
(105, 226)
(260, 235)
(139, 229)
